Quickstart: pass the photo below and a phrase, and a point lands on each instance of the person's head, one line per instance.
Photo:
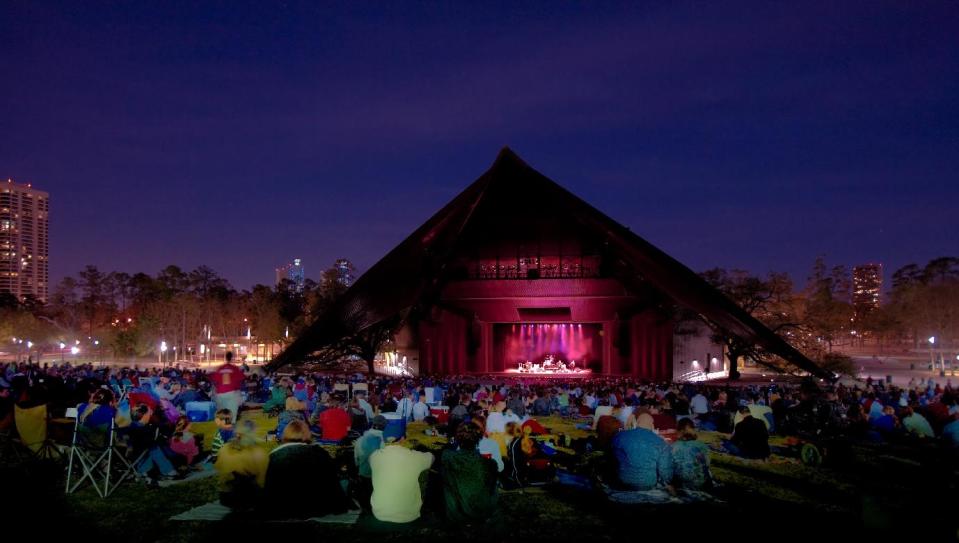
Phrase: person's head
(224, 418)
(888, 410)
(468, 436)
(645, 421)
(102, 396)
(245, 434)
(182, 424)
(297, 431)
(293, 404)
(744, 411)
(480, 422)
(686, 430)
(513, 429)
(379, 422)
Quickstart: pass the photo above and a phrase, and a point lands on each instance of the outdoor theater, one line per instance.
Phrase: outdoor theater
(516, 275)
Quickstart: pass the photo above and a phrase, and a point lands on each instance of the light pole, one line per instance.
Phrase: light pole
(932, 359)
(161, 353)
(62, 346)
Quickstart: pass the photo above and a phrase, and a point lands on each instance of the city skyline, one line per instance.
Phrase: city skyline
(767, 139)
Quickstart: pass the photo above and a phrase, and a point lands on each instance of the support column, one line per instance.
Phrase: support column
(608, 347)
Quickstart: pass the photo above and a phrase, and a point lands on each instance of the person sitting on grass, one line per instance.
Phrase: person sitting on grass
(370, 442)
(294, 409)
(334, 421)
(224, 431)
(488, 447)
(750, 437)
(301, 479)
(396, 473)
(644, 460)
(183, 448)
(916, 424)
(241, 468)
(469, 479)
(690, 458)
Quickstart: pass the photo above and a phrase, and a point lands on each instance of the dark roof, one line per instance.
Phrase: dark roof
(513, 194)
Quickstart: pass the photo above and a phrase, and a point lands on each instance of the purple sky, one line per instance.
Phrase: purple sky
(754, 135)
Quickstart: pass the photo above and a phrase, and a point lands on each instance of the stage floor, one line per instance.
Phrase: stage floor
(543, 375)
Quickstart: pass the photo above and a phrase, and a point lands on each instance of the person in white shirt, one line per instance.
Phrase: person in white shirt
(364, 405)
(699, 404)
(396, 487)
(420, 409)
(496, 423)
(600, 411)
(404, 407)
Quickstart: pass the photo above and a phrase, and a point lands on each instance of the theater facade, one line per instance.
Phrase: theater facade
(518, 275)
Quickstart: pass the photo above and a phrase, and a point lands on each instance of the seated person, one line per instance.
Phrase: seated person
(606, 429)
(603, 409)
(370, 442)
(294, 409)
(144, 435)
(916, 424)
(643, 459)
(950, 433)
(469, 480)
(96, 417)
(359, 421)
(496, 422)
(750, 438)
(420, 409)
(396, 472)
(488, 447)
(887, 423)
(690, 458)
(334, 422)
(224, 431)
(241, 468)
(278, 395)
(301, 479)
(182, 447)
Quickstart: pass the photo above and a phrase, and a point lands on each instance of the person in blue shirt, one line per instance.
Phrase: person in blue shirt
(690, 458)
(643, 459)
(950, 433)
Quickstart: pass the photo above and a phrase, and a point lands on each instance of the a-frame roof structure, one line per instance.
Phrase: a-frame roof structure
(413, 272)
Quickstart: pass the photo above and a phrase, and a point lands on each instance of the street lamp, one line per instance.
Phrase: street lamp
(62, 346)
(162, 352)
(932, 359)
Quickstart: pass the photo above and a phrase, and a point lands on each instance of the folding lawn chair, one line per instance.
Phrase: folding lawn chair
(31, 423)
(361, 387)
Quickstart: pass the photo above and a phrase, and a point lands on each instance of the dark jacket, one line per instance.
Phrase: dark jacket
(469, 485)
(302, 482)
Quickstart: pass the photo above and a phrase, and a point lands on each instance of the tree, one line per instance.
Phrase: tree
(828, 308)
(770, 300)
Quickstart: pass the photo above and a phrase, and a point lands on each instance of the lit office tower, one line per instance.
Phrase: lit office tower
(293, 272)
(867, 288)
(345, 272)
(24, 243)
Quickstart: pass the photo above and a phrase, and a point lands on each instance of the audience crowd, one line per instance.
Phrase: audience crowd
(648, 433)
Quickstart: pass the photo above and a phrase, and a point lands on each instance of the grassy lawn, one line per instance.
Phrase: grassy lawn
(874, 491)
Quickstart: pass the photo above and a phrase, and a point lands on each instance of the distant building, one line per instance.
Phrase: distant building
(345, 272)
(294, 273)
(866, 288)
(24, 241)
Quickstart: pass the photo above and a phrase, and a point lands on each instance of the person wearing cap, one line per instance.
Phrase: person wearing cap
(370, 442)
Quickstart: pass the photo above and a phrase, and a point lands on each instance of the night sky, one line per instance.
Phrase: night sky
(754, 135)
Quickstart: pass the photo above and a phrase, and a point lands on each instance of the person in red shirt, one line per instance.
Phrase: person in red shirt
(228, 383)
(334, 422)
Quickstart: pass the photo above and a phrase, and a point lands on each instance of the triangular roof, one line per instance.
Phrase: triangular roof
(511, 189)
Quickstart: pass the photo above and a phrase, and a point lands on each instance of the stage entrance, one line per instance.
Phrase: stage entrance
(548, 348)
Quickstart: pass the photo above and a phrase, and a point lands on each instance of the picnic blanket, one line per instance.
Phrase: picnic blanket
(215, 511)
(658, 496)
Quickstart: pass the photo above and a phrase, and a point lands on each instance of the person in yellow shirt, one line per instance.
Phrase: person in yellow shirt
(241, 468)
(396, 470)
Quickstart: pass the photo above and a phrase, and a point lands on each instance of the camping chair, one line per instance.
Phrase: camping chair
(361, 387)
(342, 387)
(92, 459)
(31, 425)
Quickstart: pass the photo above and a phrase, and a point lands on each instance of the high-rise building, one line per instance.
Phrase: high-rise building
(345, 272)
(866, 288)
(293, 272)
(24, 241)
